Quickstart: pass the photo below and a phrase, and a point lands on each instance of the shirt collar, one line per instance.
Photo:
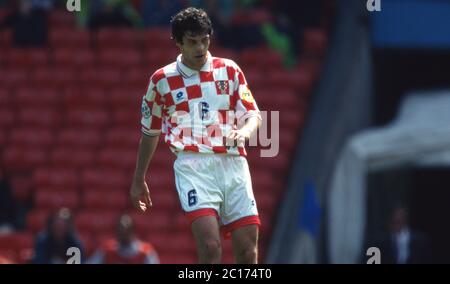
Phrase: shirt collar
(188, 72)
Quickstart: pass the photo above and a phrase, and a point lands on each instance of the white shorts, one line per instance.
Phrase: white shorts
(216, 185)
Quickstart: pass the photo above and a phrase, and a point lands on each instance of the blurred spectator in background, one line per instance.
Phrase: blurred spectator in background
(52, 244)
(159, 12)
(28, 22)
(221, 13)
(114, 13)
(403, 245)
(7, 205)
(126, 248)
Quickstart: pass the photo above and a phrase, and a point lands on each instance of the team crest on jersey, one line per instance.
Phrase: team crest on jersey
(247, 96)
(146, 113)
(223, 87)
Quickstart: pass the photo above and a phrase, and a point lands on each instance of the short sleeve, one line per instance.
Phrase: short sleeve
(246, 106)
(151, 110)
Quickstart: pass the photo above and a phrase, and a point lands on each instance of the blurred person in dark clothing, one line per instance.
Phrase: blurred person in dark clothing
(402, 245)
(157, 12)
(112, 14)
(7, 204)
(52, 244)
(29, 25)
(233, 23)
(126, 248)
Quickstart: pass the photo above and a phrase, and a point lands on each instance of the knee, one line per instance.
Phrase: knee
(248, 253)
(211, 247)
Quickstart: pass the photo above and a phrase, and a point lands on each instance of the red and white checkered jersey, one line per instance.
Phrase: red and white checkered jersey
(197, 109)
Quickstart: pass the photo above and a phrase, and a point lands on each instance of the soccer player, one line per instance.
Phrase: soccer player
(204, 108)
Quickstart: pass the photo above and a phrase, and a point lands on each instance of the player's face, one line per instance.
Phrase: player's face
(194, 50)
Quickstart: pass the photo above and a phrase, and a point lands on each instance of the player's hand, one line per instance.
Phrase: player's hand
(140, 195)
(237, 137)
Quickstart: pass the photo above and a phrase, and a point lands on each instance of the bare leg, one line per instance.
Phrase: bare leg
(245, 244)
(207, 236)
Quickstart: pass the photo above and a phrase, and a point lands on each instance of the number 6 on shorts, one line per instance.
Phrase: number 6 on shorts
(192, 197)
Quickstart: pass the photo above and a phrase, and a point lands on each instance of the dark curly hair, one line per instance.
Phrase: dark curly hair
(192, 20)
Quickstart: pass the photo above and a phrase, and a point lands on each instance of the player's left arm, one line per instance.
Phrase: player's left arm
(247, 112)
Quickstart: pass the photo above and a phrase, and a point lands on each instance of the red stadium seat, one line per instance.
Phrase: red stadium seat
(288, 139)
(298, 80)
(267, 201)
(310, 65)
(74, 57)
(124, 137)
(13, 77)
(87, 118)
(19, 158)
(26, 58)
(80, 98)
(5, 97)
(182, 243)
(180, 222)
(16, 58)
(61, 37)
(130, 118)
(3, 137)
(52, 201)
(62, 18)
(54, 77)
(218, 51)
(39, 117)
(31, 137)
(157, 238)
(255, 79)
(262, 180)
(277, 99)
(101, 200)
(107, 77)
(120, 58)
(6, 38)
(121, 158)
(126, 98)
(16, 240)
(64, 156)
(20, 243)
(22, 186)
(157, 58)
(147, 223)
(267, 221)
(31, 97)
(227, 252)
(55, 177)
(97, 222)
(292, 119)
(157, 38)
(137, 78)
(36, 220)
(79, 137)
(89, 77)
(6, 118)
(118, 38)
(314, 41)
(105, 179)
(161, 178)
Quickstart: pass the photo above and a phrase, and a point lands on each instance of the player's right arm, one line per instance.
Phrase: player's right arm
(151, 129)
(139, 192)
